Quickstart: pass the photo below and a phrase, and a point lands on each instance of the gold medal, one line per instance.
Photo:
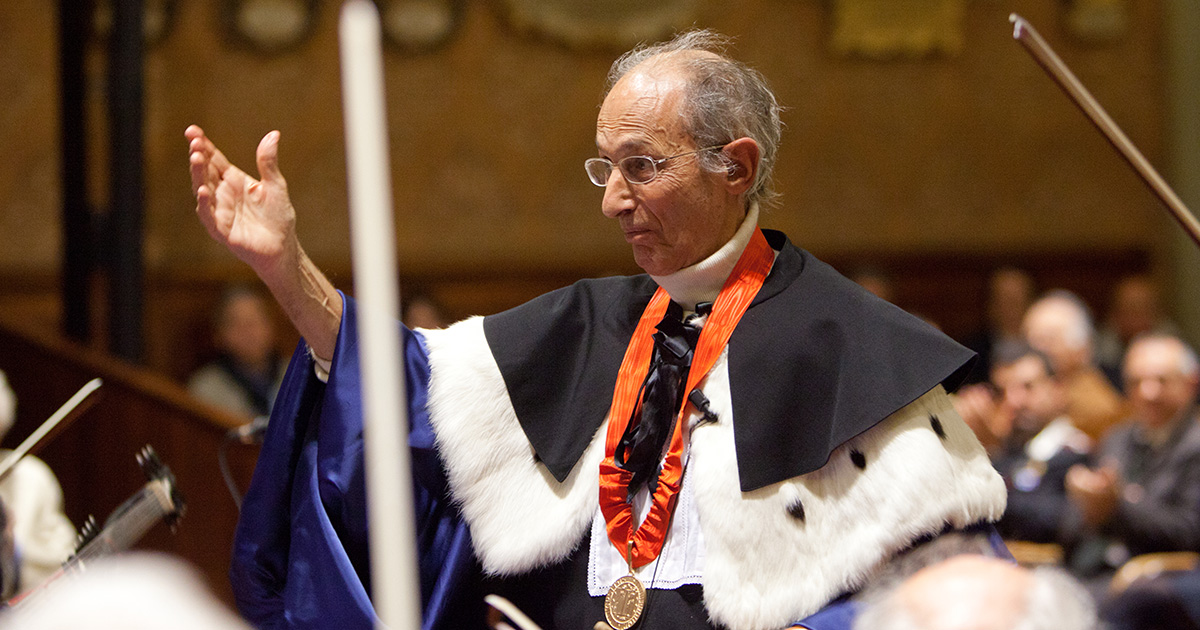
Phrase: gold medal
(624, 602)
(626, 598)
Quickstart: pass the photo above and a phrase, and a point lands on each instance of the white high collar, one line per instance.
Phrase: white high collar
(702, 281)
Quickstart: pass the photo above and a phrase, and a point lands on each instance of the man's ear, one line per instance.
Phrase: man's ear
(743, 156)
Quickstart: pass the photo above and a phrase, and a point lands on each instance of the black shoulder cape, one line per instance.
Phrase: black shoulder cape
(815, 361)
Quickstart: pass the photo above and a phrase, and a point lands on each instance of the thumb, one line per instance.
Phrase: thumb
(267, 157)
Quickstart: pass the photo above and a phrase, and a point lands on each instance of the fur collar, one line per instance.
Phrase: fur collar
(774, 554)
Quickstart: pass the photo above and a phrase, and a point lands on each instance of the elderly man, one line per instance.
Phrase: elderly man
(1146, 495)
(1059, 325)
(582, 447)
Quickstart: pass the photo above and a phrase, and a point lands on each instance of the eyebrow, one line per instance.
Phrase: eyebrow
(634, 146)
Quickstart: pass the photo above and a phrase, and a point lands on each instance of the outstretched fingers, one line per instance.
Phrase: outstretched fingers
(207, 163)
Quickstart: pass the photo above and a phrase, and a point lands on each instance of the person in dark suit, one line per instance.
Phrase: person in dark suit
(1042, 446)
(1144, 495)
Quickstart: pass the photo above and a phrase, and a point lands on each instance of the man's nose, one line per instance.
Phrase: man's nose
(1149, 389)
(618, 198)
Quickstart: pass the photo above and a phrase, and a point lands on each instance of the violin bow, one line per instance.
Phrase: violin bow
(1024, 33)
(55, 423)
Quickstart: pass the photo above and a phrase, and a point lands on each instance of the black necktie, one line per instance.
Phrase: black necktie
(641, 447)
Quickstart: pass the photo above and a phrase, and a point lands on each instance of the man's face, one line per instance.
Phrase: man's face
(246, 331)
(1033, 397)
(1158, 390)
(683, 215)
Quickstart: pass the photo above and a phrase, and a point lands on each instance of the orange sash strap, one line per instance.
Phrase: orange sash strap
(735, 297)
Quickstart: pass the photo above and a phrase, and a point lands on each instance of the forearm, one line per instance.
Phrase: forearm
(307, 297)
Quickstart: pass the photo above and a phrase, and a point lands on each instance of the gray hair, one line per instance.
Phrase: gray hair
(1081, 331)
(724, 100)
(1188, 364)
(1054, 601)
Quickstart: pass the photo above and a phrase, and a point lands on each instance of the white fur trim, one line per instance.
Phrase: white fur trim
(520, 517)
(763, 567)
(768, 569)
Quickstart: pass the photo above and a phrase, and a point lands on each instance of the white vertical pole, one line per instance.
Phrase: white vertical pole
(389, 487)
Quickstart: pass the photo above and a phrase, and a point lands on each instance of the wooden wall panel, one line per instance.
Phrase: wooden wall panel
(977, 152)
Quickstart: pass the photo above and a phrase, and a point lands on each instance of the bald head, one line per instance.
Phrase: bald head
(973, 592)
(967, 593)
(1059, 326)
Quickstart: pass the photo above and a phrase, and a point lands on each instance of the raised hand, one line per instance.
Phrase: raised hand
(253, 218)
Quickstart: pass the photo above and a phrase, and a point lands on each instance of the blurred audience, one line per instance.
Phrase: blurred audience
(1167, 601)
(247, 372)
(1059, 325)
(1040, 448)
(42, 536)
(1010, 292)
(970, 592)
(876, 281)
(1134, 309)
(422, 311)
(1145, 494)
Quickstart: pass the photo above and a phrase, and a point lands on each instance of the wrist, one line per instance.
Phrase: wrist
(280, 271)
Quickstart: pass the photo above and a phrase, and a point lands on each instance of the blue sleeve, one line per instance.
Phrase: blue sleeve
(300, 549)
(837, 615)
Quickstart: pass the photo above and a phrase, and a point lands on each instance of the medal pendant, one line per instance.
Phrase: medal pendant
(624, 602)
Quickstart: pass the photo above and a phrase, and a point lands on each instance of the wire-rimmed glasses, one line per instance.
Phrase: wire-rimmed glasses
(636, 169)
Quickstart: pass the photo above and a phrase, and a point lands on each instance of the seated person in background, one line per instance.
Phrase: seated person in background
(1041, 447)
(1145, 497)
(875, 280)
(973, 592)
(422, 311)
(246, 375)
(1167, 601)
(42, 534)
(1059, 326)
(1134, 309)
(1010, 292)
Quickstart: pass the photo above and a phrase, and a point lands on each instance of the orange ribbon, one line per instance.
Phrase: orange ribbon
(733, 300)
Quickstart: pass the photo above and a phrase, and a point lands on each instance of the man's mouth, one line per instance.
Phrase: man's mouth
(632, 233)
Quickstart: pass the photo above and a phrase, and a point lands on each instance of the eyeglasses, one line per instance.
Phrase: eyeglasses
(636, 169)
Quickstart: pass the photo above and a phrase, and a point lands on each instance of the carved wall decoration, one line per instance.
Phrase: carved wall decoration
(419, 25)
(1098, 21)
(158, 16)
(618, 24)
(881, 29)
(269, 26)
